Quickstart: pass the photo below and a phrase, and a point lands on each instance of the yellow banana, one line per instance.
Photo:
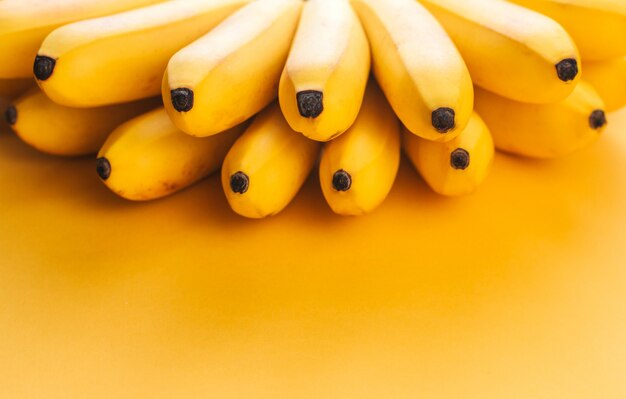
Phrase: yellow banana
(267, 166)
(418, 67)
(357, 170)
(457, 167)
(597, 26)
(59, 130)
(231, 73)
(322, 85)
(544, 131)
(148, 157)
(24, 25)
(10, 88)
(609, 80)
(122, 57)
(511, 50)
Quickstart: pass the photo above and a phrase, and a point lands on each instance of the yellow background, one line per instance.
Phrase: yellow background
(518, 291)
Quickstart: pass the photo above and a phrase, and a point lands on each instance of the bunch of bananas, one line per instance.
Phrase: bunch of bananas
(168, 92)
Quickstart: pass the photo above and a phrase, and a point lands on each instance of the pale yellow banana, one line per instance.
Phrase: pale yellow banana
(122, 57)
(457, 167)
(60, 130)
(418, 67)
(230, 74)
(10, 88)
(597, 26)
(511, 50)
(25, 23)
(544, 131)
(148, 157)
(609, 80)
(324, 80)
(267, 166)
(357, 170)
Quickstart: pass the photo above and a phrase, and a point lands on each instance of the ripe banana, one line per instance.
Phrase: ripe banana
(122, 57)
(323, 83)
(511, 50)
(597, 26)
(59, 130)
(418, 67)
(457, 167)
(609, 80)
(148, 157)
(357, 170)
(10, 88)
(231, 73)
(24, 25)
(267, 166)
(544, 131)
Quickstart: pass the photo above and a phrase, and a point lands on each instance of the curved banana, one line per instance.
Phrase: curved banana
(418, 67)
(24, 25)
(148, 157)
(59, 130)
(457, 167)
(544, 131)
(122, 57)
(230, 74)
(10, 88)
(267, 166)
(511, 50)
(323, 83)
(597, 26)
(609, 80)
(357, 170)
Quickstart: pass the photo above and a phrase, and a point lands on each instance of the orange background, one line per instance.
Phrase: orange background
(518, 291)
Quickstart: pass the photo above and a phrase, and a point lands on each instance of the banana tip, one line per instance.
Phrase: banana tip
(342, 181)
(597, 119)
(310, 103)
(460, 159)
(567, 70)
(182, 99)
(443, 119)
(239, 183)
(11, 115)
(43, 67)
(103, 168)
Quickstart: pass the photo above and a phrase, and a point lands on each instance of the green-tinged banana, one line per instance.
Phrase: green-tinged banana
(357, 170)
(148, 157)
(609, 80)
(25, 23)
(511, 50)
(597, 26)
(122, 57)
(457, 167)
(267, 166)
(544, 131)
(59, 130)
(418, 67)
(322, 85)
(11, 88)
(231, 73)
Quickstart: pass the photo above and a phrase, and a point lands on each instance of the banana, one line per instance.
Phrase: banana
(357, 170)
(231, 73)
(122, 57)
(10, 88)
(544, 131)
(511, 50)
(323, 83)
(24, 25)
(457, 167)
(267, 166)
(597, 26)
(59, 130)
(149, 158)
(609, 80)
(418, 67)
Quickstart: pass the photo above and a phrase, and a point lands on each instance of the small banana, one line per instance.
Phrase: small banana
(230, 74)
(59, 130)
(122, 57)
(323, 83)
(418, 67)
(357, 170)
(544, 131)
(609, 80)
(148, 157)
(511, 50)
(267, 166)
(11, 88)
(457, 167)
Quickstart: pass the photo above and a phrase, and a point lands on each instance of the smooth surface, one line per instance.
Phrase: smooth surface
(518, 291)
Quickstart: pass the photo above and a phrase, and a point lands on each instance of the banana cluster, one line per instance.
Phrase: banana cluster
(167, 92)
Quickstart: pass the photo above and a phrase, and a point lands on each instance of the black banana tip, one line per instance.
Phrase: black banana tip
(567, 69)
(310, 103)
(182, 99)
(239, 183)
(103, 167)
(443, 119)
(597, 119)
(342, 181)
(11, 115)
(43, 67)
(460, 159)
